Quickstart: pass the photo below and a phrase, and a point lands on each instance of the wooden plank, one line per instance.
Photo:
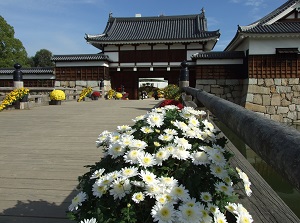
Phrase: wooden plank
(264, 204)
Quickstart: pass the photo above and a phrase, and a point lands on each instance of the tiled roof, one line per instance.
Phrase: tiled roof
(32, 70)
(161, 29)
(277, 27)
(219, 55)
(80, 57)
(270, 24)
(276, 12)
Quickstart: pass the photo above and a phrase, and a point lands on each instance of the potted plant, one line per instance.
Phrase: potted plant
(170, 166)
(95, 95)
(56, 96)
(17, 95)
(84, 93)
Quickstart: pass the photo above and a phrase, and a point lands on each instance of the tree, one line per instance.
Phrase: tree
(42, 58)
(11, 49)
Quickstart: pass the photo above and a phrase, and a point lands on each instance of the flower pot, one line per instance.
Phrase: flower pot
(95, 98)
(25, 98)
(55, 102)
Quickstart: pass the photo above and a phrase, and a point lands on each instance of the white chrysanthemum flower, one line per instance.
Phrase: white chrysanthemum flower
(138, 144)
(165, 137)
(182, 142)
(153, 190)
(200, 158)
(138, 118)
(206, 197)
(169, 182)
(206, 218)
(114, 137)
(171, 148)
(148, 177)
(92, 220)
(171, 107)
(180, 125)
(191, 202)
(126, 140)
(99, 190)
(190, 133)
(219, 217)
(97, 173)
(218, 171)
(244, 218)
(123, 128)
(208, 125)
(193, 121)
(156, 144)
(155, 119)
(132, 156)
(104, 180)
(163, 213)
(213, 208)
(128, 172)
(146, 159)
(232, 207)
(241, 210)
(246, 181)
(163, 199)
(77, 201)
(138, 197)
(180, 192)
(181, 153)
(222, 187)
(138, 183)
(120, 188)
(188, 214)
(116, 150)
(147, 129)
(171, 132)
(217, 157)
(161, 155)
(102, 138)
(114, 175)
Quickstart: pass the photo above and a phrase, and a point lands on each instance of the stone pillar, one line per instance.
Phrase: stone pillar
(101, 88)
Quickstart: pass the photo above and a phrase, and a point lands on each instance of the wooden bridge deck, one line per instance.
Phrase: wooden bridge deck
(43, 151)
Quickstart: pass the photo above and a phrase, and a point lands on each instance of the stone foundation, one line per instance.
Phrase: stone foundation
(229, 89)
(274, 98)
(277, 99)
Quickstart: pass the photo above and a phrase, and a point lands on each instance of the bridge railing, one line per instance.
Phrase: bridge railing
(277, 144)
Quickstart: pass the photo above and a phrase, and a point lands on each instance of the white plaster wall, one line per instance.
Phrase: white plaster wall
(82, 64)
(269, 45)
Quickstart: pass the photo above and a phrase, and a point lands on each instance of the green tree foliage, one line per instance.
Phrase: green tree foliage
(42, 58)
(11, 49)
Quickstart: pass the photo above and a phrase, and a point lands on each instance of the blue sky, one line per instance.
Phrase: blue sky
(60, 25)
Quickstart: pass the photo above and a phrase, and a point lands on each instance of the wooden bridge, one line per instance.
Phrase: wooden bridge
(44, 150)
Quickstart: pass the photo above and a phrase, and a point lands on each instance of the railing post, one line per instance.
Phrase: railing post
(184, 75)
(18, 76)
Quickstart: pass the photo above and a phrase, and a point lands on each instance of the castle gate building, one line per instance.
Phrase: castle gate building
(152, 47)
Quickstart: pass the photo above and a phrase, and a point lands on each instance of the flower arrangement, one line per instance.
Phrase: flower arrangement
(84, 93)
(13, 96)
(96, 94)
(170, 166)
(170, 102)
(57, 95)
(112, 94)
(172, 91)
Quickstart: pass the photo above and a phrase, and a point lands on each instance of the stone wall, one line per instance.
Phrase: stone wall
(275, 98)
(229, 89)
